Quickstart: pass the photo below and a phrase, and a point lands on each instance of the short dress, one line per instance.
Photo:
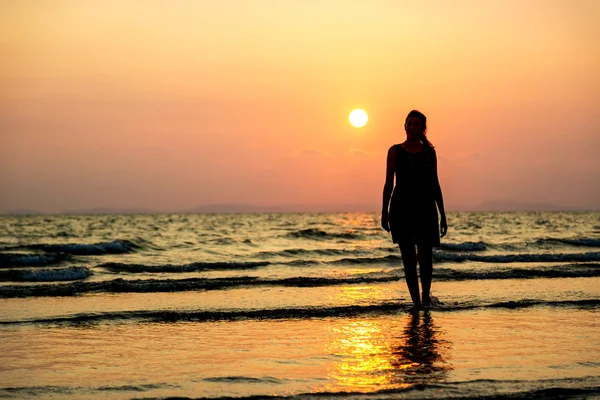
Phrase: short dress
(413, 212)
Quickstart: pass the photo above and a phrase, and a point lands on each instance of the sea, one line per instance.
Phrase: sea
(296, 306)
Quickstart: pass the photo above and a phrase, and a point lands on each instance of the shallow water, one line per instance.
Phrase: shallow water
(360, 354)
(153, 306)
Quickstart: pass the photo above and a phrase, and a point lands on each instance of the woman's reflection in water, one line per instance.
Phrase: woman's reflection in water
(418, 355)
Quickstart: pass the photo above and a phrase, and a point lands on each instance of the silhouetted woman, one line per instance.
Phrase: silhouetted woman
(412, 216)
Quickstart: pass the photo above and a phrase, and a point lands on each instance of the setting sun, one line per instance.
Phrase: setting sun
(358, 118)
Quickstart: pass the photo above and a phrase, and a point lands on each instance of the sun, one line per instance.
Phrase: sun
(358, 118)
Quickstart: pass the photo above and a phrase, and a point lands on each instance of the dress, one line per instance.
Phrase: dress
(413, 213)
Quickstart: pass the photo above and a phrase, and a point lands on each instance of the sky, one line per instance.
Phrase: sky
(170, 105)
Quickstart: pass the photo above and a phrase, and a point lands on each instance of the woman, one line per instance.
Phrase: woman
(412, 217)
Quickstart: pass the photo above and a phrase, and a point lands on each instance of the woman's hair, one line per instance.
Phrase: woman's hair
(423, 118)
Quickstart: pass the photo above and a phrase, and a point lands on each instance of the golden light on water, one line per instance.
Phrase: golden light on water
(378, 353)
(365, 363)
(358, 118)
(365, 357)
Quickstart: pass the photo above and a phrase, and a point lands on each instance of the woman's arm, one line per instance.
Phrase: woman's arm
(439, 199)
(388, 187)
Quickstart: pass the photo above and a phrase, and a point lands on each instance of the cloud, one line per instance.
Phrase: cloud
(360, 153)
(467, 156)
(311, 153)
(464, 159)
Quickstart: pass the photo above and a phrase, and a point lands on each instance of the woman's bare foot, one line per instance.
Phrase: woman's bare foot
(430, 301)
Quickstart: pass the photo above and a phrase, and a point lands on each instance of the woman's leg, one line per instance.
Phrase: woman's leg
(426, 269)
(409, 259)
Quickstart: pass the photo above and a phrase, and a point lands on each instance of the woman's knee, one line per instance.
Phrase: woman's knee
(408, 251)
(425, 250)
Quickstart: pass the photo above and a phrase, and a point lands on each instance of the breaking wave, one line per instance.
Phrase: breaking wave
(288, 313)
(30, 260)
(584, 242)
(488, 389)
(198, 266)
(466, 246)
(367, 260)
(302, 252)
(176, 285)
(113, 247)
(442, 256)
(560, 271)
(312, 233)
(509, 258)
(45, 275)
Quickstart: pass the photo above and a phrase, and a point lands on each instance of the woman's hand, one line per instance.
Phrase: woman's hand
(443, 226)
(385, 221)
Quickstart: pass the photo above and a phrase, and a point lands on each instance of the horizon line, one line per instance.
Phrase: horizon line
(236, 208)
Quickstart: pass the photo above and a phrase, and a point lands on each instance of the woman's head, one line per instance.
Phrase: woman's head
(415, 126)
(415, 123)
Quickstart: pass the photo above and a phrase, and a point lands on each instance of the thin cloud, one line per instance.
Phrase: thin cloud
(310, 152)
(361, 153)
(464, 158)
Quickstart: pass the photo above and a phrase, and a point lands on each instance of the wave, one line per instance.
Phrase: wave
(288, 313)
(509, 258)
(114, 247)
(562, 271)
(300, 252)
(198, 266)
(30, 260)
(99, 392)
(584, 242)
(366, 260)
(426, 388)
(178, 285)
(588, 303)
(465, 246)
(481, 246)
(312, 233)
(444, 256)
(489, 389)
(222, 241)
(295, 252)
(244, 379)
(45, 275)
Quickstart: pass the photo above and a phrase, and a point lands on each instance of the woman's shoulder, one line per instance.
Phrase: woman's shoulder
(395, 147)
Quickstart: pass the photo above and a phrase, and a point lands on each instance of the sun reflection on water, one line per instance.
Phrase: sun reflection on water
(377, 353)
(364, 358)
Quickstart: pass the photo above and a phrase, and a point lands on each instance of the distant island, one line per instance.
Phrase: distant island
(23, 212)
(521, 206)
(111, 211)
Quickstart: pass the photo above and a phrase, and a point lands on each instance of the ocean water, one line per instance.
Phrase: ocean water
(295, 306)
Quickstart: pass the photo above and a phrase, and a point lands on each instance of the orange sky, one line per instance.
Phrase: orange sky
(169, 105)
